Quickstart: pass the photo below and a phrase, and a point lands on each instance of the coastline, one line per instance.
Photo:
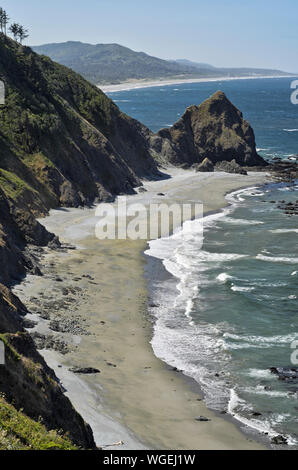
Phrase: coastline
(162, 412)
(139, 84)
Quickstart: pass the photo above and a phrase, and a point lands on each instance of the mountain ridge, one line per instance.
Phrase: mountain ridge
(113, 63)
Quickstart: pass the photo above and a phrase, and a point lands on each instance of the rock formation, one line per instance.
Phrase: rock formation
(230, 167)
(205, 166)
(215, 130)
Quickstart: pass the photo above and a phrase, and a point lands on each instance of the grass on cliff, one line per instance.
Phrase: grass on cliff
(12, 185)
(18, 432)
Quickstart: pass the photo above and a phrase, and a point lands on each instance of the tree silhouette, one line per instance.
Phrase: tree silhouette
(19, 32)
(1, 19)
(4, 21)
(14, 29)
(22, 33)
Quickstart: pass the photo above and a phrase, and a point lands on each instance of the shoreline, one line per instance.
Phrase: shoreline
(139, 84)
(163, 411)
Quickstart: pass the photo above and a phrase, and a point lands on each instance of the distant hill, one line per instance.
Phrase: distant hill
(113, 63)
(230, 71)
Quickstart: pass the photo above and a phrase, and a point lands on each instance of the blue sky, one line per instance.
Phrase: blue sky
(260, 33)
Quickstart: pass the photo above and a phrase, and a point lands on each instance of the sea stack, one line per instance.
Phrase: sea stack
(215, 130)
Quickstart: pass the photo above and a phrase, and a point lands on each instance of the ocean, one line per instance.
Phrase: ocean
(227, 312)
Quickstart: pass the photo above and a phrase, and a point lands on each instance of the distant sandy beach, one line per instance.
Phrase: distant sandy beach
(136, 84)
(136, 399)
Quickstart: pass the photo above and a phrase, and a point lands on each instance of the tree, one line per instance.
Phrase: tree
(19, 32)
(14, 29)
(3, 20)
(22, 33)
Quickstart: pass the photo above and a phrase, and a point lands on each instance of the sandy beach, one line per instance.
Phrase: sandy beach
(136, 398)
(136, 84)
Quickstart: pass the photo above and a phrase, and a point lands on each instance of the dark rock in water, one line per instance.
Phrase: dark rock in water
(279, 440)
(287, 374)
(54, 244)
(142, 190)
(230, 167)
(202, 418)
(160, 194)
(256, 413)
(205, 166)
(285, 171)
(29, 323)
(84, 370)
(215, 130)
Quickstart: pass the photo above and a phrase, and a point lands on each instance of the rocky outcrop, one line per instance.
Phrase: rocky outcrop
(286, 374)
(230, 167)
(215, 130)
(205, 166)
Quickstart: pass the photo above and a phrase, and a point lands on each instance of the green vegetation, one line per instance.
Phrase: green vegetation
(112, 63)
(18, 432)
(12, 185)
(9, 349)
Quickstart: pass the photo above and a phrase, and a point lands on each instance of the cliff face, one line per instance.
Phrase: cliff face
(28, 383)
(215, 130)
(62, 140)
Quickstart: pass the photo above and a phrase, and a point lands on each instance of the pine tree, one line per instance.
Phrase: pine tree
(14, 29)
(22, 33)
(4, 21)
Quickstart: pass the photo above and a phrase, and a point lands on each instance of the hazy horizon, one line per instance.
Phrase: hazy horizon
(223, 33)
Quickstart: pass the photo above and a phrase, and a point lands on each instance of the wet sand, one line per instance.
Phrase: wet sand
(136, 398)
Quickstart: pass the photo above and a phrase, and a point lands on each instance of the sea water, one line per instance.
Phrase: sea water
(227, 312)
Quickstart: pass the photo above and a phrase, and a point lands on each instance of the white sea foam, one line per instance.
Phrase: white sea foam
(231, 220)
(263, 340)
(237, 406)
(224, 277)
(277, 259)
(285, 230)
(242, 289)
(260, 373)
(290, 130)
(177, 338)
(259, 390)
